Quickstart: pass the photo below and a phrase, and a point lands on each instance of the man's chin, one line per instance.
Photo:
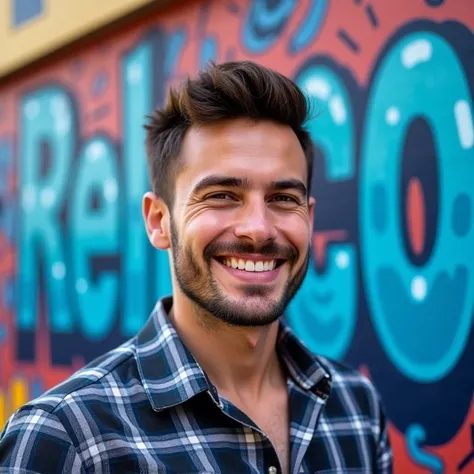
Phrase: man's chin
(255, 292)
(250, 310)
(249, 320)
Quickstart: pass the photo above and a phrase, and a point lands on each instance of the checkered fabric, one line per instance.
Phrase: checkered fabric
(148, 407)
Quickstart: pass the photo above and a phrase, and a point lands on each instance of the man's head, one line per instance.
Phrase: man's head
(230, 166)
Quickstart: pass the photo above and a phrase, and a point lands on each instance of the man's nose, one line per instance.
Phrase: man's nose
(255, 223)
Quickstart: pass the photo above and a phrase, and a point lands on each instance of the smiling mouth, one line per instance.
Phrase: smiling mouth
(246, 265)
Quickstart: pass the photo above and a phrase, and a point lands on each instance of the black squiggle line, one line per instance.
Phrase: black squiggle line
(372, 16)
(348, 41)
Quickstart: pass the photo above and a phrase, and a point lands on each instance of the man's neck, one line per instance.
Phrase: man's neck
(239, 361)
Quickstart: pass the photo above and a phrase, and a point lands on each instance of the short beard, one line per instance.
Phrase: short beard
(199, 286)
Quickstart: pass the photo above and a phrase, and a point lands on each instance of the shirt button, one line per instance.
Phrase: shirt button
(272, 470)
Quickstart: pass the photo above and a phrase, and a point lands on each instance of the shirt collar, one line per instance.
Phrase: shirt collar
(303, 366)
(171, 375)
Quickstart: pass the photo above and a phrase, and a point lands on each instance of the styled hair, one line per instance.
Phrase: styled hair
(231, 90)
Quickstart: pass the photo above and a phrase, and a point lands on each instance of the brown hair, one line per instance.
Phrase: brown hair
(240, 89)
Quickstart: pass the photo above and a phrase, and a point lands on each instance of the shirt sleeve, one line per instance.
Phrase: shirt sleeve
(34, 441)
(384, 461)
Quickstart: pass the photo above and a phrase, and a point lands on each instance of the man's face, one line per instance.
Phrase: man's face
(241, 221)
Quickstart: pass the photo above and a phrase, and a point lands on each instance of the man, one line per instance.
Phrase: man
(215, 383)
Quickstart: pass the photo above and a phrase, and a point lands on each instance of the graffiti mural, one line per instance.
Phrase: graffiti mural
(390, 289)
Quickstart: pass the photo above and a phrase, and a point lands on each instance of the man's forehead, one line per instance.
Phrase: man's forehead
(238, 135)
(259, 152)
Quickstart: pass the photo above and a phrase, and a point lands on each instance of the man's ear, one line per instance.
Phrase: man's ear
(157, 221)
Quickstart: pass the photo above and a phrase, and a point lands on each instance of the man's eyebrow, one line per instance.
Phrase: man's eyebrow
(233, 182)
(222, 181)
(295, 184)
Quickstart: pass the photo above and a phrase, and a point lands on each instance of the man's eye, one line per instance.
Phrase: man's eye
(221, 196)
(285, 198)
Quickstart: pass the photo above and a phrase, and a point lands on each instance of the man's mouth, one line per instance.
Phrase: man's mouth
(250, 265)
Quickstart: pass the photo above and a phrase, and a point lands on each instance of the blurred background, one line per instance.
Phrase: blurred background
(391, 286)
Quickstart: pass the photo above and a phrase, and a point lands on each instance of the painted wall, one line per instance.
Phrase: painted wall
(391, 287)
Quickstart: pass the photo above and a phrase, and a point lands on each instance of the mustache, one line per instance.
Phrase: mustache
(269, 249)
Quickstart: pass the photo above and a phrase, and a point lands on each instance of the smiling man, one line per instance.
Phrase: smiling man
(216, 382)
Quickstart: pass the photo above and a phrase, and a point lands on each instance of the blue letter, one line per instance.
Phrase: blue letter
(422, 314)
(47, 122)
(94, 233)
(323, 312)
(138, 90)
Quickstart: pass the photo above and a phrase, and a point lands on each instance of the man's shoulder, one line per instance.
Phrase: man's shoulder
(344, 373)
(58, 421)
(96, 378)
(351, 389)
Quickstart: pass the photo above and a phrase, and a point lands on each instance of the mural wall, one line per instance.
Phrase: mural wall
(391, 286)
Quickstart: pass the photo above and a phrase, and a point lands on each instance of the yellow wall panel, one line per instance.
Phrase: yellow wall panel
(30, 29)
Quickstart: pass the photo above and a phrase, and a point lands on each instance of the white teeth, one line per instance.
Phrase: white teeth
(249, 265)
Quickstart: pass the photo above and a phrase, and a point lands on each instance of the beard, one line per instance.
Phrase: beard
(256, 307)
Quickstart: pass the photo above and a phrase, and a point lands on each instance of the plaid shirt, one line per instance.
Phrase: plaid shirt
(148, 407)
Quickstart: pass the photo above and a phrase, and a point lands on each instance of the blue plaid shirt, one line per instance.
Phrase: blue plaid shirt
(148, 407)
